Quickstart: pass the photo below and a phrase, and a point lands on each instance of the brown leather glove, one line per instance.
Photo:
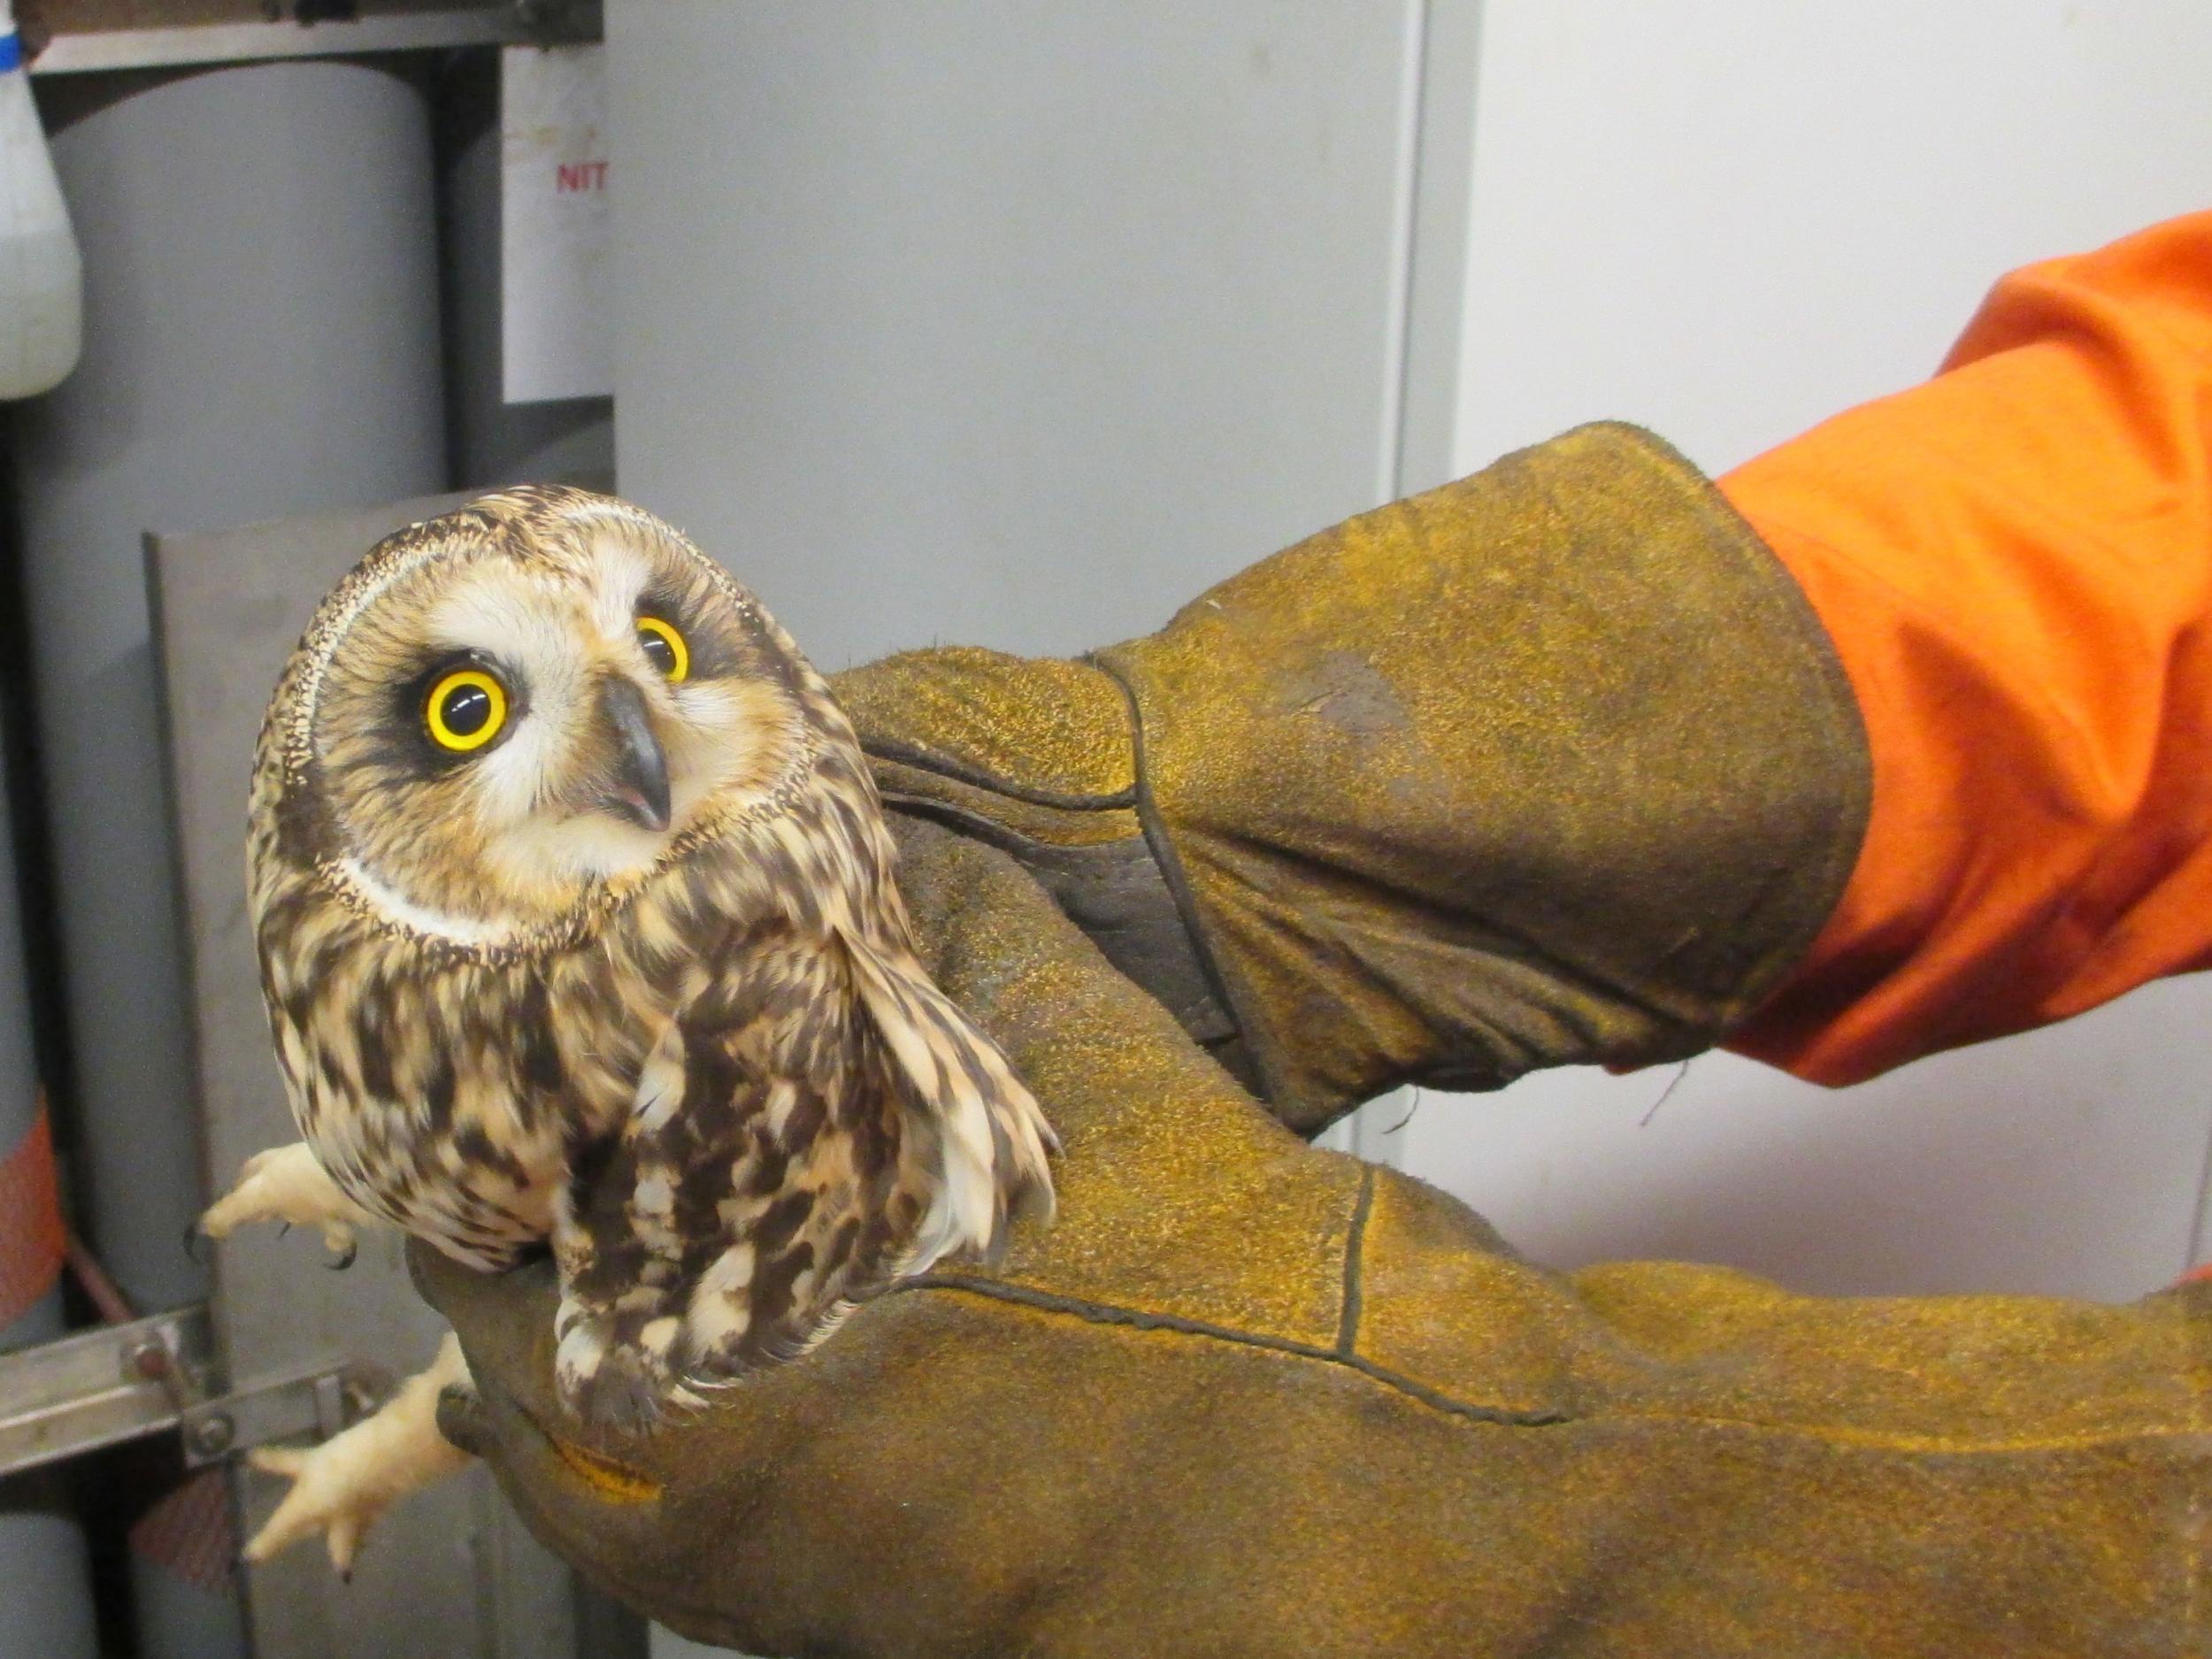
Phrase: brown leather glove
(1553, 764)
(1250, 1398)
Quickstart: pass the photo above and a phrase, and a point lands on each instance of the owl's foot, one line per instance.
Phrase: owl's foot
(340, 1487)
(286, 1183)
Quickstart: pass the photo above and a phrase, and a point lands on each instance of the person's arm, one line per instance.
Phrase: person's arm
(1569, 761)
(2015, 563)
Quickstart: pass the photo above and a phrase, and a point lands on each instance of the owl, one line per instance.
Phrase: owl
(578, 927)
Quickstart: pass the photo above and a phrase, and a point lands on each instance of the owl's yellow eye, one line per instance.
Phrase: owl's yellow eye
(466, 709)
(664, 648)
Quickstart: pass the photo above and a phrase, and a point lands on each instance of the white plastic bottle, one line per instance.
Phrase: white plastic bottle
(42, 279)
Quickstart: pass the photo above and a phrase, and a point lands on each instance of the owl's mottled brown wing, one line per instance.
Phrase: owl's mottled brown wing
(977, 1139)
(817, 1119)
(754, 1186)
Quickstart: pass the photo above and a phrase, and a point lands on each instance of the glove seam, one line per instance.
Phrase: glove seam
(1164, 854)
(1355, 1243)
(966, 821)
(1103, 1313)
(976, 778)
(1840, 1436)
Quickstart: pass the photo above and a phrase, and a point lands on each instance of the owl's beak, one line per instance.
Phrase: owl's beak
(639, 791)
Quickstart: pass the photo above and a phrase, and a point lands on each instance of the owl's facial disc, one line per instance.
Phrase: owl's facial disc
(503, 735)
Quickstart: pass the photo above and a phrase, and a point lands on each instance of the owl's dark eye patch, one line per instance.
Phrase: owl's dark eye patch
(682, 635)
(466, 709)
(454, 708)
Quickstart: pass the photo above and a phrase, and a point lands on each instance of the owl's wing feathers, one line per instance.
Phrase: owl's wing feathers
(992, 1137)
(808, 1128)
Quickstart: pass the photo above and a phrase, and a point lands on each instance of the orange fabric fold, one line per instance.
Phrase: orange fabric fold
(2014, 561)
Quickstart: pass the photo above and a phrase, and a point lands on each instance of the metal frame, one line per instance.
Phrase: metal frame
(123, 1382)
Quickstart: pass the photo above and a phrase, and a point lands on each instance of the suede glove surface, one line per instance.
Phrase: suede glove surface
(1553, 764)
(1248, 1398)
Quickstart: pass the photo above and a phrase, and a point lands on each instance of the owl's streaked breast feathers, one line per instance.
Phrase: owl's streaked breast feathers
(578, 922)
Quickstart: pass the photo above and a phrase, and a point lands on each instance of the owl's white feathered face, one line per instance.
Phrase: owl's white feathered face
(536, 700)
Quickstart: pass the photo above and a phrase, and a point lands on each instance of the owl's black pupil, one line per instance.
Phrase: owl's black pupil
(466, 709)
(658, 651)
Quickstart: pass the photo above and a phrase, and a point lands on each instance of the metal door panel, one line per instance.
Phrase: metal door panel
(450, 1571)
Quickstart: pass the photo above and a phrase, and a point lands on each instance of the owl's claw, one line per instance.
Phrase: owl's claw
(285, 1184)
(344, 1255)
(196, 1244)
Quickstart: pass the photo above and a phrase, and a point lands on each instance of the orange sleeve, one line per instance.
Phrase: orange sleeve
(2015, 563)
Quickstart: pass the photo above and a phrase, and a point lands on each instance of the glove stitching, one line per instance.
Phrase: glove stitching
(1155, 951)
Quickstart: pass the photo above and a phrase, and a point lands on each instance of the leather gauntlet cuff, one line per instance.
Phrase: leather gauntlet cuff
(1552, 765)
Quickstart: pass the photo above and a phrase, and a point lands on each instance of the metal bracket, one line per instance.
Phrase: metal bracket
(317, 1402)
(123, 1381)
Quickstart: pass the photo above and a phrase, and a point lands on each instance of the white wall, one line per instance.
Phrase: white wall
(1731, 219)
(1727, 220)
(978, 320)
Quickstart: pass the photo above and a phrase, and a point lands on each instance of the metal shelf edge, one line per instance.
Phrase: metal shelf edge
(185, 45)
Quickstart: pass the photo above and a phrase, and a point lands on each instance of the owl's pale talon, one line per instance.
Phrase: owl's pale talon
(326, 1480)
(339, 1263)
(340, 1487)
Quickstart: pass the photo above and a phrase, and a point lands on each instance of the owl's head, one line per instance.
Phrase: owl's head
(510, 710)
